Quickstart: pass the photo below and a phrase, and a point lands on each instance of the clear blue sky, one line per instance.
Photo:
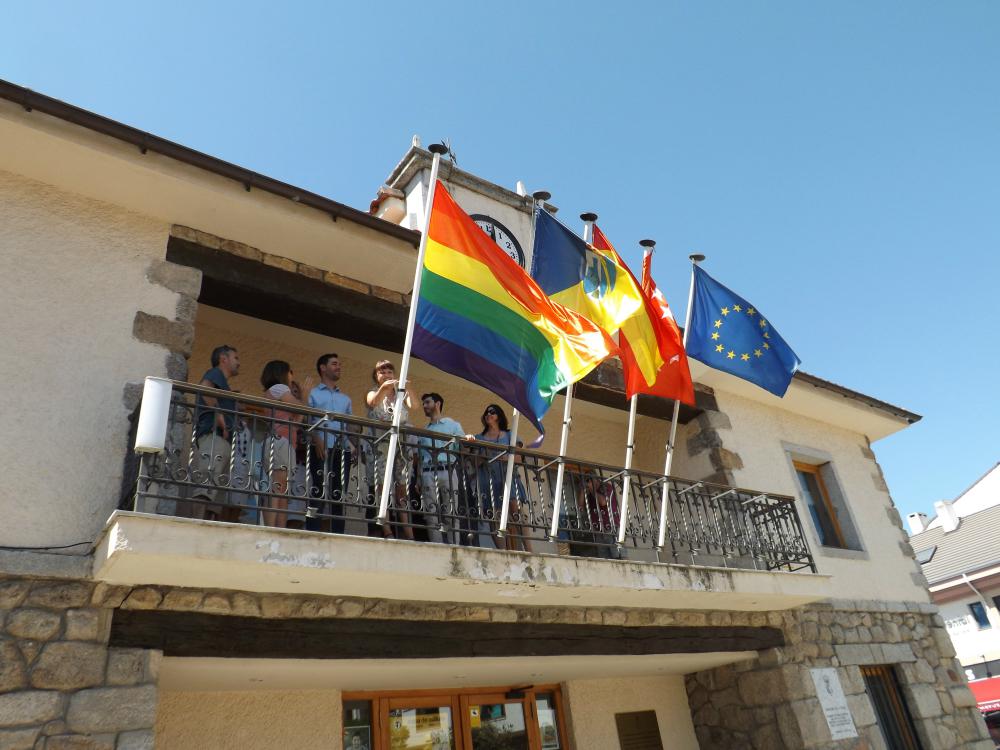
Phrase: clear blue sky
(838, 162)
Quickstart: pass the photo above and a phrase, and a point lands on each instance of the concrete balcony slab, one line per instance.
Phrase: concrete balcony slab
(143, 549)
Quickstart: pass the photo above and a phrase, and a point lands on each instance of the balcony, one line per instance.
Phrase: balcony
(271, 496)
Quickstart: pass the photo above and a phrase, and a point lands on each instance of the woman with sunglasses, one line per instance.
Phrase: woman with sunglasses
(492, 476)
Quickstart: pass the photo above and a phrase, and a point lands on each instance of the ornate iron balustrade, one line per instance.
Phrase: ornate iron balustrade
(273, 463)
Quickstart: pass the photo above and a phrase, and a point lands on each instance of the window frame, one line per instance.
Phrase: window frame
(831, 511)
(984, 623)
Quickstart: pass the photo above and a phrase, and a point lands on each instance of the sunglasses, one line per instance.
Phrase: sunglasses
(494, 412)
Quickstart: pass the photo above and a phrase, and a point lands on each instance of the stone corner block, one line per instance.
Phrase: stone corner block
(133, 666)
(181, 279)
(279, 261)
(114, 709)
(140, 740)
(87, 625)
(854, 654)
(19, 739)
(69, 665)
(80, 742)
(925, 702)
(34, 624)
(61, 595)
(155, 329)
(30, 707)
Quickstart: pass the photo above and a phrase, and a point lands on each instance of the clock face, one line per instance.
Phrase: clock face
(500, 235)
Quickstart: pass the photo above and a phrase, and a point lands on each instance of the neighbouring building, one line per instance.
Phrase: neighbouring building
(225, 587)
(959, 550)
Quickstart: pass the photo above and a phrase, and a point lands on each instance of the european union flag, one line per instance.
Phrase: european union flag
(730, 334)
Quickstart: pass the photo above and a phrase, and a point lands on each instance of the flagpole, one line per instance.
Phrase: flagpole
(668, 464)
(404, 369)
(588, 237)
(508, 482)
(648, 246)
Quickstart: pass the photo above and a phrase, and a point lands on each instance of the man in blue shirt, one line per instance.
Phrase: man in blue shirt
(215, 423)
(442, 494)
(330, 460)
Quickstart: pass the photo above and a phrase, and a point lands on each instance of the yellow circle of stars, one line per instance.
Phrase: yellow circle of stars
(734, 354)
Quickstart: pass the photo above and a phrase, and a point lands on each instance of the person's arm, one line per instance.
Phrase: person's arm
(377, 394)
(290, 397)
(318, 443)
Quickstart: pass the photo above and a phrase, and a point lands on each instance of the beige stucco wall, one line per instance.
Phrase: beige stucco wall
(598, 432)
(972, 644)
(74, 277)
(310, 719)
(761, 436)
(592, 705)
(250, 720)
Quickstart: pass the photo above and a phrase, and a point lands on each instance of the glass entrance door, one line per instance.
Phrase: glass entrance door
(522, 718)
(425, 723)
(494, 722)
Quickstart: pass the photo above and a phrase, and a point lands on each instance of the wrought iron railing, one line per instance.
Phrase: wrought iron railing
(277, 464)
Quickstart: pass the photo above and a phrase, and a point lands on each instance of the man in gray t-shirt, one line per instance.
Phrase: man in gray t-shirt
(215, 422)
(440, 474)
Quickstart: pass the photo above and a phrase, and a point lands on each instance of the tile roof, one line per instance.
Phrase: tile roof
(974, 544)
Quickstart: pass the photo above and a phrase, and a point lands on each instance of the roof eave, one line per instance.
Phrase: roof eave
(144, 141)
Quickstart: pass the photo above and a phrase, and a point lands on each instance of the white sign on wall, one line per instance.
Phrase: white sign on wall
(834, 702)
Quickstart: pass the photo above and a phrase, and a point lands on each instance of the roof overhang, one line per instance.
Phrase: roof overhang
(957, 586)
(83, 153)
(818, 399)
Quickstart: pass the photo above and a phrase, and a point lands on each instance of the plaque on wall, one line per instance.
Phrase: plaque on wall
(638, 730)
(834, 702)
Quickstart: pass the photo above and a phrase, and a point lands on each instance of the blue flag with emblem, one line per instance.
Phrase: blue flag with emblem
(729, 334)
(581, 277)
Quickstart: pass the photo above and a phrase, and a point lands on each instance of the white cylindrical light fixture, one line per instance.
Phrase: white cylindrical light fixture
(151, 432)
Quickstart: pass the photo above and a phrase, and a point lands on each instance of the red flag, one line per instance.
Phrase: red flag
(652, 349)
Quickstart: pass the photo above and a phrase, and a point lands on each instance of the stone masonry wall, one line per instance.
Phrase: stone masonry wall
(770, 703)
(61, 687)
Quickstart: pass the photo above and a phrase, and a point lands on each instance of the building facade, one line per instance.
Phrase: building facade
(137, 611)
(960, 553)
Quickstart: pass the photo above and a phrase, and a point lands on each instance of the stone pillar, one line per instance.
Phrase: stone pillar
(770, 703)
(61, 687)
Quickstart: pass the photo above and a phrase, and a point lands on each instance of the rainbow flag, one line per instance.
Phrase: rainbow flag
(482, 318)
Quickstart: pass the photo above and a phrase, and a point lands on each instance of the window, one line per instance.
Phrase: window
(924, 556)
(821, 508)
(500, 718)
(979, 615)
(891, 713)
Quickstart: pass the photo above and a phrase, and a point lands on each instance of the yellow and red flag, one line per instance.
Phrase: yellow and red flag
(652, 348)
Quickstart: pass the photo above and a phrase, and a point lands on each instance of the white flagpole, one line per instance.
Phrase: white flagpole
(404, 369)
(588, 237)
(668, 464)
(648, 246)
(508, 483)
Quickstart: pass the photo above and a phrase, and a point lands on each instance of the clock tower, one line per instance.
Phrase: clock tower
(505, 215)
